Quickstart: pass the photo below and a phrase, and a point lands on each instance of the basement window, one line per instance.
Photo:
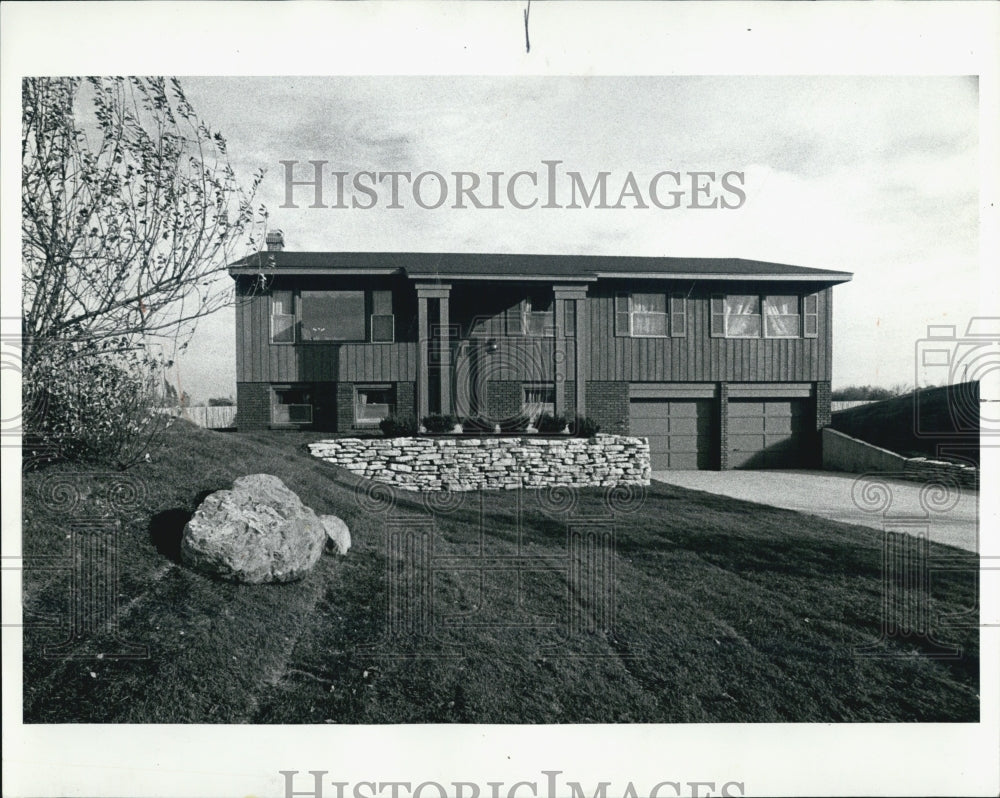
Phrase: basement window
(538, 398)
(291, 406)
(373, 403)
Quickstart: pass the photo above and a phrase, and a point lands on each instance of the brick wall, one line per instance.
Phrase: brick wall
(345, 406)
(822, 408)
(570, 409)
(406, 398)
(504, 399)
(253, 405)
(607, 404)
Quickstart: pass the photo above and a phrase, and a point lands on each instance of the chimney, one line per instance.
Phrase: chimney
(275, 241)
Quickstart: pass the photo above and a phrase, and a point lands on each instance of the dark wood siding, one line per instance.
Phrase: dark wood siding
(258, 360)
(699, 357)
(481, 313)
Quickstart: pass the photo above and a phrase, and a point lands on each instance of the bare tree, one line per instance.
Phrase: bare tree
(130, 212)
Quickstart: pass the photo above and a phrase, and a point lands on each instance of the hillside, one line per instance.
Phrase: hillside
(934, 422)
(723, 611)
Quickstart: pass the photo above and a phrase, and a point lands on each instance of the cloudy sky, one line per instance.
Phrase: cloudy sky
(873, 175)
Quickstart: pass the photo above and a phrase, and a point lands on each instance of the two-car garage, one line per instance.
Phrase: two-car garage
(767, 426)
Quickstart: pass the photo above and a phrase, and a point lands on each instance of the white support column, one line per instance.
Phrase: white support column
(442, 354)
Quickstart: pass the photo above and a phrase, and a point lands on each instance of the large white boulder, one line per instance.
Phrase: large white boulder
(259, 531)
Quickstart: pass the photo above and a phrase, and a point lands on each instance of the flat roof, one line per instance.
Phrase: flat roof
(481, 266)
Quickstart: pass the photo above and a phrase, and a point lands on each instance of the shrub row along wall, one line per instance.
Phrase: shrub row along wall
(459, 464)
(843, 453)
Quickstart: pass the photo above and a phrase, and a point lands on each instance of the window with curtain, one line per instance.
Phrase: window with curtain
(781, 316)
(649, 314)
(742, 314)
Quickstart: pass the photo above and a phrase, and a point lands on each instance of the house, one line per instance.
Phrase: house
(721, 363)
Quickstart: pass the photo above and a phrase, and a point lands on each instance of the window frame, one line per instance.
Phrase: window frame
(675, 314)
(528, 314)
(808, 316)
(311, 404)
(360, 387)
(798, 315)
(537, 386)
(370, 302)
(271, 316)
(368, 315)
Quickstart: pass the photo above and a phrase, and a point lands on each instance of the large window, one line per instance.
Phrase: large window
(373, 403)
(765, 316)
(304, 316)
(333, 315)
(650, 315)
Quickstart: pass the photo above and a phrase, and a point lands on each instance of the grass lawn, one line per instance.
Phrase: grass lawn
(723, 611)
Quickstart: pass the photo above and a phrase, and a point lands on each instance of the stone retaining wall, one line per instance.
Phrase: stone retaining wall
(459, 464)
(843, 453)
(922, 469)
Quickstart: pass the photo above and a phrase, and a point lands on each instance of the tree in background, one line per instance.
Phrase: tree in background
(130, 213)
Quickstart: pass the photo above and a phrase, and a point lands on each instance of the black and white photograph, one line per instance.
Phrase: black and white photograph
(517, 379)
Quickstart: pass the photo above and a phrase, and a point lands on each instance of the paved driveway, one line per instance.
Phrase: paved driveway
(829, 494)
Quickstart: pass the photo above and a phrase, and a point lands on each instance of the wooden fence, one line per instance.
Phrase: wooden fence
(208, 417)
(848, 404)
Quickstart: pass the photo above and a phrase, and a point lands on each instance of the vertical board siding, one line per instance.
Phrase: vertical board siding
(697, 357)
(700, 358)
(258, 360)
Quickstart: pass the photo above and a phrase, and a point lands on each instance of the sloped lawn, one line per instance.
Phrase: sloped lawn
(722, 610)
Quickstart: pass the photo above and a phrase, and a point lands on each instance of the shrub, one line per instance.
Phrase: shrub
(439, 423)
(549, 423)
(584, 427)
(477, 424)
(97, 403)
(397, 426)
(516, 424)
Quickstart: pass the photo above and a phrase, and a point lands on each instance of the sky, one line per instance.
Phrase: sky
(878, 176)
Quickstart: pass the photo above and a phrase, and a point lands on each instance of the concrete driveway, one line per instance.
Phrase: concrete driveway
(830, 494)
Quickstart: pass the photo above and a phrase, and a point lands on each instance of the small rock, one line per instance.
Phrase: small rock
(337, 534)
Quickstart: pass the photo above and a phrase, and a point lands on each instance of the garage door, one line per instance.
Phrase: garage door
(679, 431)
(768, 433)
